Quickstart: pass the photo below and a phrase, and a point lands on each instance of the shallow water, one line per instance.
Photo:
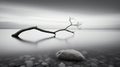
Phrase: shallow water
(36, 41)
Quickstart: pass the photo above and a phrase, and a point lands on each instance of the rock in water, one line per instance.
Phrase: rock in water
(29, 63)
(61, 64)
(70, 55)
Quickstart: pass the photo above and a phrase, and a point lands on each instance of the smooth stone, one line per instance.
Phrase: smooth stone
(70, 55)
(69, 66)
(29, 63)
(22, 66)
(44, 64)
(75, 65)
(61, 65)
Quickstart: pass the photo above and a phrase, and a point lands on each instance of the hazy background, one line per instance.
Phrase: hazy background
(55, 13)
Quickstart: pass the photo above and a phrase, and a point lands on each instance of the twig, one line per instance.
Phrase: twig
(70, 23)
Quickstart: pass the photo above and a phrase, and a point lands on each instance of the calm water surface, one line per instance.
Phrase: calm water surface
(36, 41)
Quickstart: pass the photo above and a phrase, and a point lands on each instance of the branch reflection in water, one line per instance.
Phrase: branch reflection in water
(43, 40)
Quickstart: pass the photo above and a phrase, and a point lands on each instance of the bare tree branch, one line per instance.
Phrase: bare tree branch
(16, 35)
(22, 30)
(70, 23)
(35, 27)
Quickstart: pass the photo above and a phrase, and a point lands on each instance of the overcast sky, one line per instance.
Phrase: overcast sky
(57, 12)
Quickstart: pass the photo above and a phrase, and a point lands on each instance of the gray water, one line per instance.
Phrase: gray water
(36, 41)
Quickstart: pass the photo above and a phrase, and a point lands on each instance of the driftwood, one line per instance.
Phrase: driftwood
(35, 27)
(16, 35)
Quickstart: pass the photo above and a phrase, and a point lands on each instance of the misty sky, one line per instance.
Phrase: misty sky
(91, 13)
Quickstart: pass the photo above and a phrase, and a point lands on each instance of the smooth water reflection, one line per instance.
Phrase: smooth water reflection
(33, 41)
